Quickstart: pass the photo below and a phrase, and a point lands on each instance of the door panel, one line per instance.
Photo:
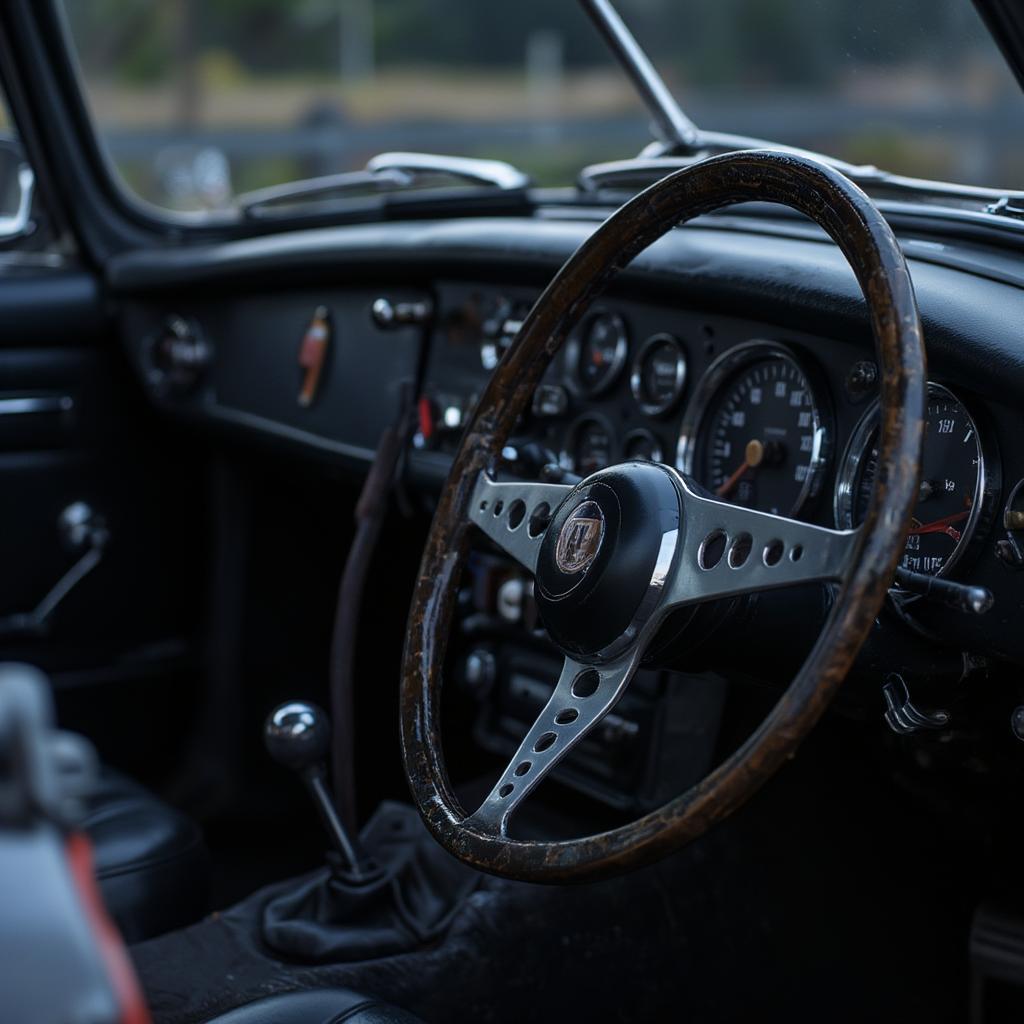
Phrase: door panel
(74, 430)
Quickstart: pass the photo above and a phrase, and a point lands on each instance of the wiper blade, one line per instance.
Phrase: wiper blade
(895, 193)
(386, 173)
(644, 170)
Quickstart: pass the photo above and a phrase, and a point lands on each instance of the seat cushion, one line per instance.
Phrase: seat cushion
(318, 1006)
(150, 859)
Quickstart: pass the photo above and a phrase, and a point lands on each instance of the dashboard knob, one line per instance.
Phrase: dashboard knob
(479, 671)
(178, 355)
(390, 315)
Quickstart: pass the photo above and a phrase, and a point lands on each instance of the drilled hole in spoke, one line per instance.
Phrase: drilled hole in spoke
(566, 717)
(483, 505)
(773, 552)
(712, 547)
(505, 790)
(544, 741)
(796, 553)
(739, 550)
(539, 520)
(516, 514)
(498, 506)
(585, 684)
(522, 769)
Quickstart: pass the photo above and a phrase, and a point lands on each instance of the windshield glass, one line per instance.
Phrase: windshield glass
(197, 101)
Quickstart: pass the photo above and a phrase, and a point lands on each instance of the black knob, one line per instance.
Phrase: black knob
(297, 735)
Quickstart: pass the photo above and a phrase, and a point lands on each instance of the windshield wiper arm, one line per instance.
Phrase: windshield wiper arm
(463, 168)
(672, 126)
(384, 173)
(677, 135)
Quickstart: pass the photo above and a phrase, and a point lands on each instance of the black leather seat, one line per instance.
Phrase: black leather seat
(150, 859)
(318, 1006)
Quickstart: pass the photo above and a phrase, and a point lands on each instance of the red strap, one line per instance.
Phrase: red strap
(112, 949)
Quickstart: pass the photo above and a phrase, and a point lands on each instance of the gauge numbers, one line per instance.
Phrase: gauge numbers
(952, 483)
(755, 438)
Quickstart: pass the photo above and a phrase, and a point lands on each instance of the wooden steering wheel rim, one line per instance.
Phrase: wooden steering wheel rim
(871, 249)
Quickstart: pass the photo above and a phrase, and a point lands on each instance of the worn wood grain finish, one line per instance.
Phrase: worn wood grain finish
(868, 243)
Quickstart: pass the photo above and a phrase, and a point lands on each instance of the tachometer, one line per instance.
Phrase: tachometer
(754, 433)
(956, 483)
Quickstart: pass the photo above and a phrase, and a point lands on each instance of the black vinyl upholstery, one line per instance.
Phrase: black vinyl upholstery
(150, 859)
(317, 1006)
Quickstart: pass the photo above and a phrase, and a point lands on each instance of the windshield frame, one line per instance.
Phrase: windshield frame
(152, 219)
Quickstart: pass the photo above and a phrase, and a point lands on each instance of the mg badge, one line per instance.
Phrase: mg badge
(580, 538)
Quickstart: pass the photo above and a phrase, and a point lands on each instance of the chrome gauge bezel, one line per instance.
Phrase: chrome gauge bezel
(986, 486)
(636, 381)
(574, 344)
(647, 435)
(567, 456)
(720, 373)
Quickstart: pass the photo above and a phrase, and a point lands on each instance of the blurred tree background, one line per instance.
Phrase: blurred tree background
(729, 43)
(915, 85)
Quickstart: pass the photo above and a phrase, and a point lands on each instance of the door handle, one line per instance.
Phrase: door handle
(85, 533)
(34, 405)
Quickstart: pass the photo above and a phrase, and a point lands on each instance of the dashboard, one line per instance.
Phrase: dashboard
(769, 419)
(739, 357)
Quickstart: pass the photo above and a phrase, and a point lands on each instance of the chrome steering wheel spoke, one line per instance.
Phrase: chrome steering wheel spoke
(730, 550)
(515, 515)
(583, 695)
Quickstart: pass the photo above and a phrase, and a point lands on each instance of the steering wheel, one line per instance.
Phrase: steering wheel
(615, 555)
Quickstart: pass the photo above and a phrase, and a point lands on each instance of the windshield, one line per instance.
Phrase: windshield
(197, 101)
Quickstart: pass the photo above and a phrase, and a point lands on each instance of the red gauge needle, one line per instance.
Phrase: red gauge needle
(753, 455)
(943, 525)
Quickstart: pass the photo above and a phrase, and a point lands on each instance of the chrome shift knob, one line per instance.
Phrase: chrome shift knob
(297, 735)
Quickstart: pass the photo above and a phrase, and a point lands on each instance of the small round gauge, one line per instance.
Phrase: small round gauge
(658, 375)
(597, 354)
(641, 445)
(589, 446)
(754, 433)
(956, 482)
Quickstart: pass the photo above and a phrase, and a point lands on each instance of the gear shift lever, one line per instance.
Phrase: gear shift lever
(298, 735)
(390, 892)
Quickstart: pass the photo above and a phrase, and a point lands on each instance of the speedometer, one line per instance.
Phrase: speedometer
(754, 434)
(957, 483)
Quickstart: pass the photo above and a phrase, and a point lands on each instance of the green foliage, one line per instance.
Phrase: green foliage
(708, 42)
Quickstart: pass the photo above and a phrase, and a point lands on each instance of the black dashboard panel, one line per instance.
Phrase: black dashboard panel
(248, 352)
(710, 289)
(697, 298)
(971, 299)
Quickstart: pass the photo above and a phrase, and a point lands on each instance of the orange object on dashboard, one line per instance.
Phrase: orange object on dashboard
(313, 354)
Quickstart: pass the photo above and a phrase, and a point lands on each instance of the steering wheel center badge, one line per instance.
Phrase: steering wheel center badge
(580, 538)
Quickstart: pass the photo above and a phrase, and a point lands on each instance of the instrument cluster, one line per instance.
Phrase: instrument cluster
(783, 424)
(758, 429)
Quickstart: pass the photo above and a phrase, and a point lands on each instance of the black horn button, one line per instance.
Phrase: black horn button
(599, 555)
